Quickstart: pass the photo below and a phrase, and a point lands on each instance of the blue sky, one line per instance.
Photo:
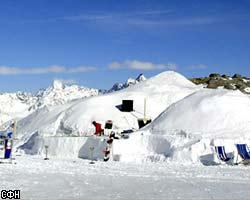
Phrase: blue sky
(98, 42)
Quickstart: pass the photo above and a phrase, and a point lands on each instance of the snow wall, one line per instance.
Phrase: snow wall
(177, 146)
(142, 146)
(65, 147)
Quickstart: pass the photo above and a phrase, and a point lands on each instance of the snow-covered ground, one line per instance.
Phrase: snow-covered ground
(171, 158)
(187, 122)
(77, 179)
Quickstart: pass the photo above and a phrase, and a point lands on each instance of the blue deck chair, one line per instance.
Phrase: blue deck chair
(221, 154)
(243, 151)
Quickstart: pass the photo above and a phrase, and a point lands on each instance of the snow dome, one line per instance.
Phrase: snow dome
(215, 113)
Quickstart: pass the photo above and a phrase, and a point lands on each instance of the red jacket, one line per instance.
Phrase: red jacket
(98, 128)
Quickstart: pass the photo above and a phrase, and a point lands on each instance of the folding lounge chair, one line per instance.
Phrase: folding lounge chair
(243, 151)
(221, 154)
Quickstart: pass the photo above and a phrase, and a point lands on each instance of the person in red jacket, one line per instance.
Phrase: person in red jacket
(98, 128)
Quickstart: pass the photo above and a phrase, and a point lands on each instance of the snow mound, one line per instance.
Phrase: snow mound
(210, 112)
(75, 118)
(188, 130)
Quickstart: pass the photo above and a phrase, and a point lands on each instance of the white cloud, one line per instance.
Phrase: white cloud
(198, 67)
(172, 66)
(66, 81)
(88, 17)
(147, 19)
(141, 65)
(6, 70)
(114, 16)
(142, 19)
(115, 65)
(80, 69)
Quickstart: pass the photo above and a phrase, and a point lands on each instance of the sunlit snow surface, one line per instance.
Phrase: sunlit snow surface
(77, 179)
(187, 122)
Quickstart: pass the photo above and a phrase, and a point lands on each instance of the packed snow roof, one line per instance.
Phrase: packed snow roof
(76, 117)
(218, 113)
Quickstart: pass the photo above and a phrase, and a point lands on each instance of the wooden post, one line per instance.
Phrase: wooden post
(46, 152)
(145, 119)
(91, 155)
(14, 130)
(12, 141)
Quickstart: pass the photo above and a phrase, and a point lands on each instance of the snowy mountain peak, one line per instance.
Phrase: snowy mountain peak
(140, 78)
(128, 83)
(132, 81)
(59, 93)
(57, 84)
(20, 104)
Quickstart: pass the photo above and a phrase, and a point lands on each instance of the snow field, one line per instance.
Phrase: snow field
(77, 179)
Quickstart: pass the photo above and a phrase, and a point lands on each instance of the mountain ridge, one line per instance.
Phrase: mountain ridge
(16, 105)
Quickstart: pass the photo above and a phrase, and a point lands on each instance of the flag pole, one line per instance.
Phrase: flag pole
(14, 130)
(12, 140)
(145, 118)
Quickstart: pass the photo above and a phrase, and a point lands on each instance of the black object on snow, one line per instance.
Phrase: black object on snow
(108, 124)
(110, 141)
(127, 105)
(141, 122)
(127, 131)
